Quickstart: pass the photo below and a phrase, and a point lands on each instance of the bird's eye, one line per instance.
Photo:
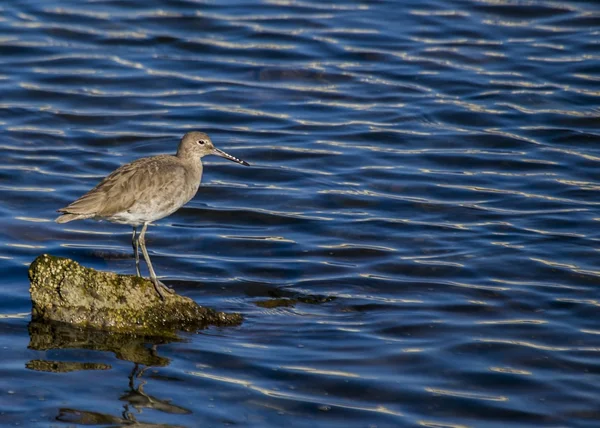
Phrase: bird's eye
(201, 142)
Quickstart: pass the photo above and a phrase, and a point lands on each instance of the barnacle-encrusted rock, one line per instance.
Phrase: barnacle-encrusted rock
(63, 290)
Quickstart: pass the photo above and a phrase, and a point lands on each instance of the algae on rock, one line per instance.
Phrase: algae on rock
(63, 290)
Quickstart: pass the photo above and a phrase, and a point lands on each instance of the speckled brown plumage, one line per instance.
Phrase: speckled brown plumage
(142, 191)
(146, 190)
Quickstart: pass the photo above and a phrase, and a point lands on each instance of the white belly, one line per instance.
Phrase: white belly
(148, 211)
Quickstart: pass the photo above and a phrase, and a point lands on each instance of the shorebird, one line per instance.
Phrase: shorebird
(147, 190)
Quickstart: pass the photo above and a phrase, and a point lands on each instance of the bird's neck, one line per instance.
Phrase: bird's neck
(192, 164)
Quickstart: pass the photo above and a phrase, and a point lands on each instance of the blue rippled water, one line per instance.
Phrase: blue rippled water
(426, 172)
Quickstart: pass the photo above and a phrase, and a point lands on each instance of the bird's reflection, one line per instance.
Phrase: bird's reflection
(137, 399)
(141, 351)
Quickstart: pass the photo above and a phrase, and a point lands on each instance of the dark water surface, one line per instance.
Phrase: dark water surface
(432, 166)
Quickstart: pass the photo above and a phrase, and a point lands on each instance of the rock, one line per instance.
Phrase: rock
(62, 290)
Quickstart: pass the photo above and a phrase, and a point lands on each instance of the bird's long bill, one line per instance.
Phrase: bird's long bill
(227, 156)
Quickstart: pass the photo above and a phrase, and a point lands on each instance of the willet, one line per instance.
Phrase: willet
(146, 190)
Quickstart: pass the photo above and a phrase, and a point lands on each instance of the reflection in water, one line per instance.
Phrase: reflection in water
(138, 399)
(64, 366)
(141, 351)
(89, 418)
(49, 335)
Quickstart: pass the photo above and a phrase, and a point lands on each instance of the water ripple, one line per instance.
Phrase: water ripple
(419, 216)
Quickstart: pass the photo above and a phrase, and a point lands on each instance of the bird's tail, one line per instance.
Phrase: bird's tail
(67, 217)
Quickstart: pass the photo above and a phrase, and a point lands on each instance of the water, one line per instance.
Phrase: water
(427, 171)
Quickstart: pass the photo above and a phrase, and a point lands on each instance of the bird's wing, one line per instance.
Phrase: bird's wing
(120, 190)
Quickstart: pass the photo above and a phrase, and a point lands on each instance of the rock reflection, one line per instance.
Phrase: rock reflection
(96, 418)
(64, 366)
(90, 418)
(49, 335)
(140, 350)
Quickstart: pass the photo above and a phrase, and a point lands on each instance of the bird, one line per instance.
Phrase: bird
(147, 190)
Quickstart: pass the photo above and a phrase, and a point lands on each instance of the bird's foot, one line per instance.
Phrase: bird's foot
(160, 288)
(164, 287)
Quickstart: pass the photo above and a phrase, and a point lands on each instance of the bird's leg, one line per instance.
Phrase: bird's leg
(135, 245)
(157, 284)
